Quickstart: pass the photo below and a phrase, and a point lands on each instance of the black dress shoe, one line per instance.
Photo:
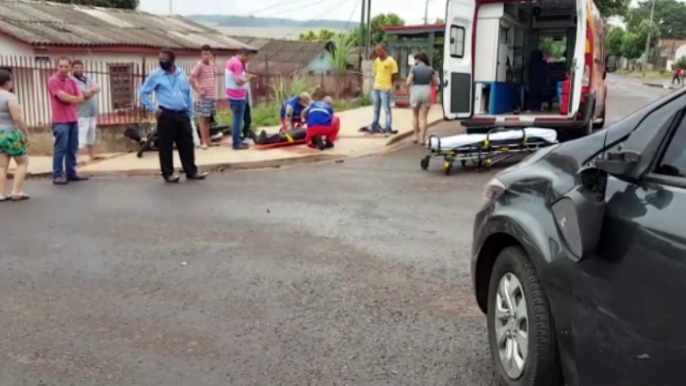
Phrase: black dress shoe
(329, 145)
(319, 143)
(197, 176)
(77, 178)
(174, 178)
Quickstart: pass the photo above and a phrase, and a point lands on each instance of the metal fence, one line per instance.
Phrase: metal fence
(120, 82)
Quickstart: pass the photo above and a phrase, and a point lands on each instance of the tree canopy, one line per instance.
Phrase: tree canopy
(613, 7)
(615, 39)
(670, 16)
(121, 4)
(323, 34)
(377, 34)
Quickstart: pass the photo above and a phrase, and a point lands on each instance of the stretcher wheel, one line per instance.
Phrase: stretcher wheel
(424, 163)
(448, 167)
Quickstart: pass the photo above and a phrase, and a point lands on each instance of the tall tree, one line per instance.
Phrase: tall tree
(632, 46)
(384, 20)
(615, 39)
(613, 7)
(670, 16)
(121, 4)
(323, 34)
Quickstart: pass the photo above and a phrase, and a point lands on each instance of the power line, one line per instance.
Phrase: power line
(340, 3)
(312, 4)
(350, 18)
(278, 4)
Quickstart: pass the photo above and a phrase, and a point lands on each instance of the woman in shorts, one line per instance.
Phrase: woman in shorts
(422, 78)
(13, 140)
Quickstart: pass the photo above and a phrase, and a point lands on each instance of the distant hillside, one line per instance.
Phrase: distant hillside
(270, 22)
(269, 33)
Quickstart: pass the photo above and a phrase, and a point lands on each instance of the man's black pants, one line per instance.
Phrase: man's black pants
(175, 127)
(247, 121)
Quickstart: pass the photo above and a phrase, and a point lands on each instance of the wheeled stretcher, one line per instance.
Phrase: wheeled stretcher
(485, 150)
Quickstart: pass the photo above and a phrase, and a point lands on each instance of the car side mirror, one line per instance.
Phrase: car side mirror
(618, 163)
(610, 63)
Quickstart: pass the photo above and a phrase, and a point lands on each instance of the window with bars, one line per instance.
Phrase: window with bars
(122, 88)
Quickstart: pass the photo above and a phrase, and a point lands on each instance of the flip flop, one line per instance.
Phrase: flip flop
(19, 197)
(3, 198)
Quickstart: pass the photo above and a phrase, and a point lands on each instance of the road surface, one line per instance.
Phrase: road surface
(351, 273)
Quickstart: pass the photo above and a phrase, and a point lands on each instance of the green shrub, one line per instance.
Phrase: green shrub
(366, 100)
(680, 63)
(267, 115)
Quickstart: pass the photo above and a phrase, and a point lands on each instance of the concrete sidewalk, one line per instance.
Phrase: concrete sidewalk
(351, 143)
(662, 84)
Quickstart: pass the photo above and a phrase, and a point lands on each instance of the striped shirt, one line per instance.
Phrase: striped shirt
(207, 79)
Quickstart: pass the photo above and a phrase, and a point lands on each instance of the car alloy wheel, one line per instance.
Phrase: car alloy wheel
(521, 332)
(511, 325)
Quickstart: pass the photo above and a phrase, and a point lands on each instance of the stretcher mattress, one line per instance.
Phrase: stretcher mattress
(280, 144)
(533, 134)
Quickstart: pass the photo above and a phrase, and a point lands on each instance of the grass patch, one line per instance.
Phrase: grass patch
(269, 115)
(662, 74)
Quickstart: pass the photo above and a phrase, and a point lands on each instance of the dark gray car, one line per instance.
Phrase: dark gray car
(579, 257)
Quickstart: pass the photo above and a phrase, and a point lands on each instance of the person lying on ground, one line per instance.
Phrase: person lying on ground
(291, 111)
(322, 124)
(297, 134)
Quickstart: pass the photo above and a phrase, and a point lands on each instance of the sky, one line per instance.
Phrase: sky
(412, 11)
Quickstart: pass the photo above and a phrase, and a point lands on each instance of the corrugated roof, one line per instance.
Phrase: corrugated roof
(45, 24)
(294, 52)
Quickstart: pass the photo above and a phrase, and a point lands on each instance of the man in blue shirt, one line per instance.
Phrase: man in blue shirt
(291, 111)
(174, 111)
(322, 124)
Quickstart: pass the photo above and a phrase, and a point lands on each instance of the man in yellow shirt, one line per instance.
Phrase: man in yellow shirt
(385, 72)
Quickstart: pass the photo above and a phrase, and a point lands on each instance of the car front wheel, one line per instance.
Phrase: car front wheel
(520, 327)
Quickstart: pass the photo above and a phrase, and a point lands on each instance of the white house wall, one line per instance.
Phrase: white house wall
(10, 46)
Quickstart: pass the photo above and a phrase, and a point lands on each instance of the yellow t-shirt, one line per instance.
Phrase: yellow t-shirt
(383, 71)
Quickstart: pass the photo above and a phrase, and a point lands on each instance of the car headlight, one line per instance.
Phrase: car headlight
(493, 190)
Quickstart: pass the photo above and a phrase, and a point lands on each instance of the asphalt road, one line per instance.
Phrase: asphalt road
(351, 273)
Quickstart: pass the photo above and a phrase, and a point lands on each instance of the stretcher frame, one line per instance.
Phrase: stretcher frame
(484, 154)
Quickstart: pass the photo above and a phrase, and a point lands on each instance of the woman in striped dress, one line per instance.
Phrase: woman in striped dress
(422, 78)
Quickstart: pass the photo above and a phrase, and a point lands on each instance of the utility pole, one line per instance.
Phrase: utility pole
(647, 51)
(369, 28)
(426, 12)
(363, 21)
(170, 7)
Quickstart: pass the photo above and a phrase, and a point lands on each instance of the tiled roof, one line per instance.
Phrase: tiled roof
(285, 51)
(50, 24)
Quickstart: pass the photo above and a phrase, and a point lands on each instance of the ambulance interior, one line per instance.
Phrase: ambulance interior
(523, 54)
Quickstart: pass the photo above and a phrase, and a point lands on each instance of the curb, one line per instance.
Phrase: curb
(401, 136)
(221, 167)
(659, 85)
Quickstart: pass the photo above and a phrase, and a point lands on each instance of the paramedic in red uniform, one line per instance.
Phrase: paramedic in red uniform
(321, 122)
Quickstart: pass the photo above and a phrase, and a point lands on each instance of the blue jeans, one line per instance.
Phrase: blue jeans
(66, 146)
(238, 111)
(382, 98)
